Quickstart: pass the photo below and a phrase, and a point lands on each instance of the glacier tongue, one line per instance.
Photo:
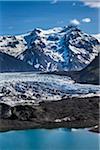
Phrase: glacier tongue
(33, 88)
(65, 48)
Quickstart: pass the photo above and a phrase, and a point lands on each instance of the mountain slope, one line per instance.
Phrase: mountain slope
(89, 74)
(97, 36)
(10, 64)
(59, 49)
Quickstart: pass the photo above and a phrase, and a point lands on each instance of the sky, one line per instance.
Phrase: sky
(18, 17)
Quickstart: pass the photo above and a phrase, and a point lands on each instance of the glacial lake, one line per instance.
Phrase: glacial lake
(49, 139)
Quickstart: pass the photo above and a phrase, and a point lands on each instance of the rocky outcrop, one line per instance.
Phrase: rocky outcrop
(5, 111)
(95, 129)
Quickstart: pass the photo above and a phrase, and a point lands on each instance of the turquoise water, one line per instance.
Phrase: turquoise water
(54, 139)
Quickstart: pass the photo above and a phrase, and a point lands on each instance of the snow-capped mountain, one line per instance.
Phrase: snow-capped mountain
(65, 48)
(97, 36)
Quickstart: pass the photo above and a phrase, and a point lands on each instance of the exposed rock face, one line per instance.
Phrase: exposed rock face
(5, 111)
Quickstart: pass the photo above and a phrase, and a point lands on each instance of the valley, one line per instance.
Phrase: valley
(36, 100)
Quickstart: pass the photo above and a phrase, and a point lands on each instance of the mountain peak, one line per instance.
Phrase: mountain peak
(70, 27)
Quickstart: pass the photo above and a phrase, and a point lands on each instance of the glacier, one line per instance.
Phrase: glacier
(32, 88)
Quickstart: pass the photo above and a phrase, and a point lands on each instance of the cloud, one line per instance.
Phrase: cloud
(75, 22)
(92, 3)
(86, 20)
(78, 22)
(54, 1)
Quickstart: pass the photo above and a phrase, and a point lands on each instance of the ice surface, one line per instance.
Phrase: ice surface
(34, 87)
